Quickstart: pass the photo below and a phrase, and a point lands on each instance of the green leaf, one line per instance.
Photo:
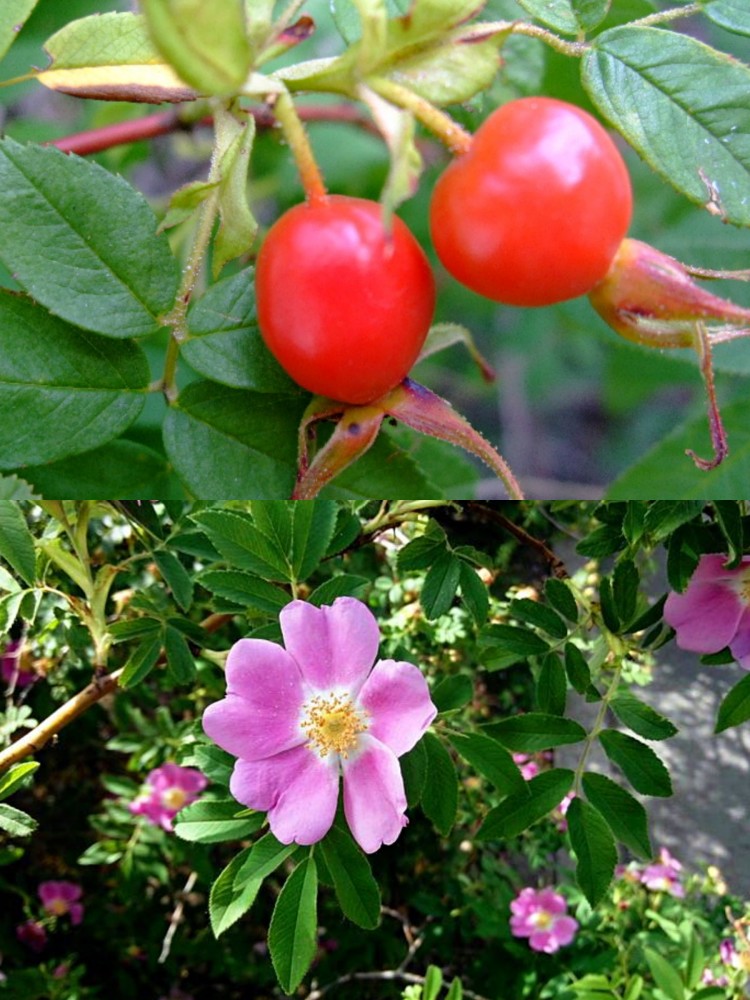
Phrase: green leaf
(12, 17)
(474, 593)
(452, 693)
(577, 668)
(58, 215)
(356, 889)
(237, 226)
(215, 763)
(551, 686)
(15, 822)
(602, 541)
(539, 615)
(734, 15)
(662, 517)
(240, 541)
(625, 582)
(638, 762)
(560, 596)
(640, 717)
(665, 975)
(292, 935)
(625, 816)
(206, 43)
(514, 639)
(341, 585)
(556, 14)
(180, 662)
(433, 982)
(491, 760)
(448, 73)
(590, 13)
(440, 793)
(682, 105)
(440, 585)
(594, 848)
(176, 577)
(264, 858)
(666, 470)
(121, 468)
(729, 519)
(521, 809)
(16, 541)
(75, 390)
(141, 661)
(456, 991)
(13, 488)
(313, 524)
(225, 344)
(735, 706)
(535, 731)
(16, 776)
(211, 821)
(414, 770)
(244, 589)
(422, 552)
(228, 901)
(229, 441)
(695, 961)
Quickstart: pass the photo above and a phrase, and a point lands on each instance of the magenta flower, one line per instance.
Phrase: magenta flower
(61, 898)
(714, 610)
(12, 669)
(32, 934)
(541, 915)
(664, 875)
(526, 765)
(299, 717)
(167, 789)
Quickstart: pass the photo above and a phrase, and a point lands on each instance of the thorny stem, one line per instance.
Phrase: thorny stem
(456, 138)
(663, 16)
(177, 318)
(296, 136)
(556, 565)
(100, 687)
(483, 29)
(389, 517)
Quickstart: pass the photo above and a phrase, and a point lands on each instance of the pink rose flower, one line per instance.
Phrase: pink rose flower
(61, 898)
(32, 934)
(714, 610)
(541, 915)
(12, 670)
(167, 789)
(526, 765)
(299, 717)
(664, 875)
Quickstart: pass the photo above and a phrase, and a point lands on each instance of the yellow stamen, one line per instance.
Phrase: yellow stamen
(333, 724)
(174, 798)
(57, 906)
(541, 919)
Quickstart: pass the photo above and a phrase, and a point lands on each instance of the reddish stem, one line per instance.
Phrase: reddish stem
(716, 426)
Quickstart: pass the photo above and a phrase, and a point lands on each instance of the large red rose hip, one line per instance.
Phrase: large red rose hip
(534, 211)
(343, 304)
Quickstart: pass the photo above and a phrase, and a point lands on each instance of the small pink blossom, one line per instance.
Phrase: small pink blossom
(541, 915)
(559, 813)
(526, 765)
(729, 955)
(714, 610)
(61, 898)
(13, 670)
(32, 934)
(664, 875)
(298, 718)
(167, 789)
(709, 978)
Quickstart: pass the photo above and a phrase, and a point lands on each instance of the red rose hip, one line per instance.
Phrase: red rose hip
(343, 304)
(534, 212)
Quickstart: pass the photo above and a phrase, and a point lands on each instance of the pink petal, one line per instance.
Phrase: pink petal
(740, 645)
(297, 788)
(397, 698)
(374, 799)
(705, 617)
(76, 913)
(335, 645)
(260, 715)
(565, 929)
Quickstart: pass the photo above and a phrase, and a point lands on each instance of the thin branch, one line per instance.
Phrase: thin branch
(176, 918)
(556, 565)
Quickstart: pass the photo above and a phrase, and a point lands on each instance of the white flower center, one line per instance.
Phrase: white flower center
(174, 798)
(333, 723)
(57, 906)
(542, 919)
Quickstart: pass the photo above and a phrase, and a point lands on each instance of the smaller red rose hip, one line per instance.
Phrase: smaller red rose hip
(343, 304)
(534, 211)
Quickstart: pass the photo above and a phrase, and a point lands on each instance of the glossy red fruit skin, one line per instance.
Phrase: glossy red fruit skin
(534, 212)
(343, 305)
